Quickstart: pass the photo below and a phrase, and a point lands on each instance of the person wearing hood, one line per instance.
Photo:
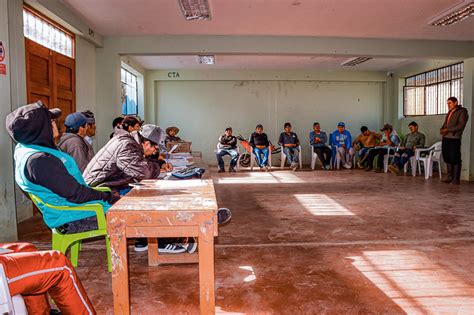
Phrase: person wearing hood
(43, 170)
(73, 143)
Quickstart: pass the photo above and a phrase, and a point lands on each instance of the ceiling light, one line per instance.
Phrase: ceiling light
(195, 9)
(206, 60)
(355, 61)
(454, 15)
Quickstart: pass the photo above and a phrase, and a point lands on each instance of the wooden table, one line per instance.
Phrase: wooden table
(165, 208)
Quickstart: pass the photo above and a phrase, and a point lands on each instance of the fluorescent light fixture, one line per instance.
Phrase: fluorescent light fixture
(206, 59)
(454, 15)
(355, 61)
(195, 9)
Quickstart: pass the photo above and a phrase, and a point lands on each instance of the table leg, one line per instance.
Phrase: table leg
(153, 252)
(206, 268)
(120, 287)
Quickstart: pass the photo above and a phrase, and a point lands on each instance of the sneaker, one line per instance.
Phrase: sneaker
(347, 166)
(294, 166)
(221, 170)
(170, 248)
(266, 168)
(327, 167)
(223, 216)
(393, 169)
(190, 244)
(141, 244)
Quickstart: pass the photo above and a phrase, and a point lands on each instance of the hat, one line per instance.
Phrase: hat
(386, 127)
(176, 129)
(341, 124)
(152, 133)
(89, 116)
(75, 120)
(55, 113)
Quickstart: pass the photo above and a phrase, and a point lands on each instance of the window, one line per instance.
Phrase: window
(45, 33)
(426, 93)
(129, 93)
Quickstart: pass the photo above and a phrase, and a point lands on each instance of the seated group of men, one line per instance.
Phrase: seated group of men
(370, 146)
(65, 174)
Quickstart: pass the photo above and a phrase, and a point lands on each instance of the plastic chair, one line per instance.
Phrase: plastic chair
(434, 155)
(283, 158)
(8, 304)
(386, 159)
(413, 164)
(62, 242)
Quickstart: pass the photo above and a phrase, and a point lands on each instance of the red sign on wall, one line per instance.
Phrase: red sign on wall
(3, 69)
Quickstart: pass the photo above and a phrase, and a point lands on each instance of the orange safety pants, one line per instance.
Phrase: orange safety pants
(34, 273)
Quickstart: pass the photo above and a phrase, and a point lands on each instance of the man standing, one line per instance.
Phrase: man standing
(290, 143)
(73, 143)
(227, 145)
(452, 129)
(318, 140)
(412, 141)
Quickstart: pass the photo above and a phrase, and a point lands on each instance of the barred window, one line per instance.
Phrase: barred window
(129, 93)
(45, 33)
(426, 93)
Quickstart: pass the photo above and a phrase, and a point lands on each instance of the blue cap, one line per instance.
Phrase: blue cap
(341, 124)
(75, 120)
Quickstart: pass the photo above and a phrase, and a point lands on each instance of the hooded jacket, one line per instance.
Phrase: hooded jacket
(337, 139)
(120, 162)
(42, 168)
(77, 147)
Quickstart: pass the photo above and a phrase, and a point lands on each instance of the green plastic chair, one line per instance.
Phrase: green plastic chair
(62, 242)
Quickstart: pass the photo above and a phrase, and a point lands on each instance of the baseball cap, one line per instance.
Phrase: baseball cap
(153, 133)
(386, 127)
(341, 124)
(75, 120)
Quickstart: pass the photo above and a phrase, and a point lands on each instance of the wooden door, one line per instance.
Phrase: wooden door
(50, 78)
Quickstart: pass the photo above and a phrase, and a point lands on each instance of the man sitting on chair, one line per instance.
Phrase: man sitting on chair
(34, 274)
(290, 143)
(53, 176)
(261, 146)
(318, 140)
(341, 140)
(227, 145)
(413, 140)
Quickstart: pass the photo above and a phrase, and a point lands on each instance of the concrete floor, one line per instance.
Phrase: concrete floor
(346, 242)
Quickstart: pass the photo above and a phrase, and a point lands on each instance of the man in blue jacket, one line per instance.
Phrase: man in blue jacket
(341, 140)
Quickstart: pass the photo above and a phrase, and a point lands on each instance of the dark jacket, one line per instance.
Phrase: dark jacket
(120, 162)
(78, 148)
(227, 143)
(291, 138)
(456, 124)
(31, 124)
(259, 139)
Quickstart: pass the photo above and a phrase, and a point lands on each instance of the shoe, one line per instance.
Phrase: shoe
(450, 177)
(367, 169)
(266, 168)
(232, 170)
(294, 167)
(262, 169)
(141, 244)
(327, 167)
(223, 216)
(221, 170)
(170, 248)
(347, 166)
(55, 312)
(393, 169)
(190, 244)
(378, 170)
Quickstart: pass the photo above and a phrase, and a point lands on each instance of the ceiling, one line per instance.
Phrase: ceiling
(267, 62)
(391, 19)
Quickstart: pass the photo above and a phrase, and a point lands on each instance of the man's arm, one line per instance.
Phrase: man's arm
(48, 171)
(131, 162)
(280, 140)
(79, 153)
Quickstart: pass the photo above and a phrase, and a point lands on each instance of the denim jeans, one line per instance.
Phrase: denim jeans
(292, 154)
(345, 156)
(401, 157)
(223, 152)
(258, 153)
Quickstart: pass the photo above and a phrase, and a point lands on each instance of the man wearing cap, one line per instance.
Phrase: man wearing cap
(73, 143)
(452, 129)
(53, 176)
(412, 141)
(390, 140)
(91, 128)
(125, 159)
(171, 135)
(341, 141)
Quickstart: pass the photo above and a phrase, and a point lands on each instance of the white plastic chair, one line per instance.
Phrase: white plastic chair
(314, 157)
(283, 158)
(413, 164)
(386, 159)
(434, 155)
(10, 305)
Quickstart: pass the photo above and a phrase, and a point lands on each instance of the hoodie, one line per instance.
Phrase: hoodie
(338, 139)
(31, 125)
(77, 147)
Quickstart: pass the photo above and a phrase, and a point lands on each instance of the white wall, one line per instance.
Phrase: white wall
(202, 109)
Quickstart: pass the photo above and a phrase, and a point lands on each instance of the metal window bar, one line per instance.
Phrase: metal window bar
(131, 87)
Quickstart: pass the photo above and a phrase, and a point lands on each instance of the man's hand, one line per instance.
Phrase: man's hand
(260, 146)
(168, 167)
(443, 131)
(290, 145)
(344, 146)
(317, 140)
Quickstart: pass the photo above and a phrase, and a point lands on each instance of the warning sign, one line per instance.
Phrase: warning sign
(3, 69)
(3, 51)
